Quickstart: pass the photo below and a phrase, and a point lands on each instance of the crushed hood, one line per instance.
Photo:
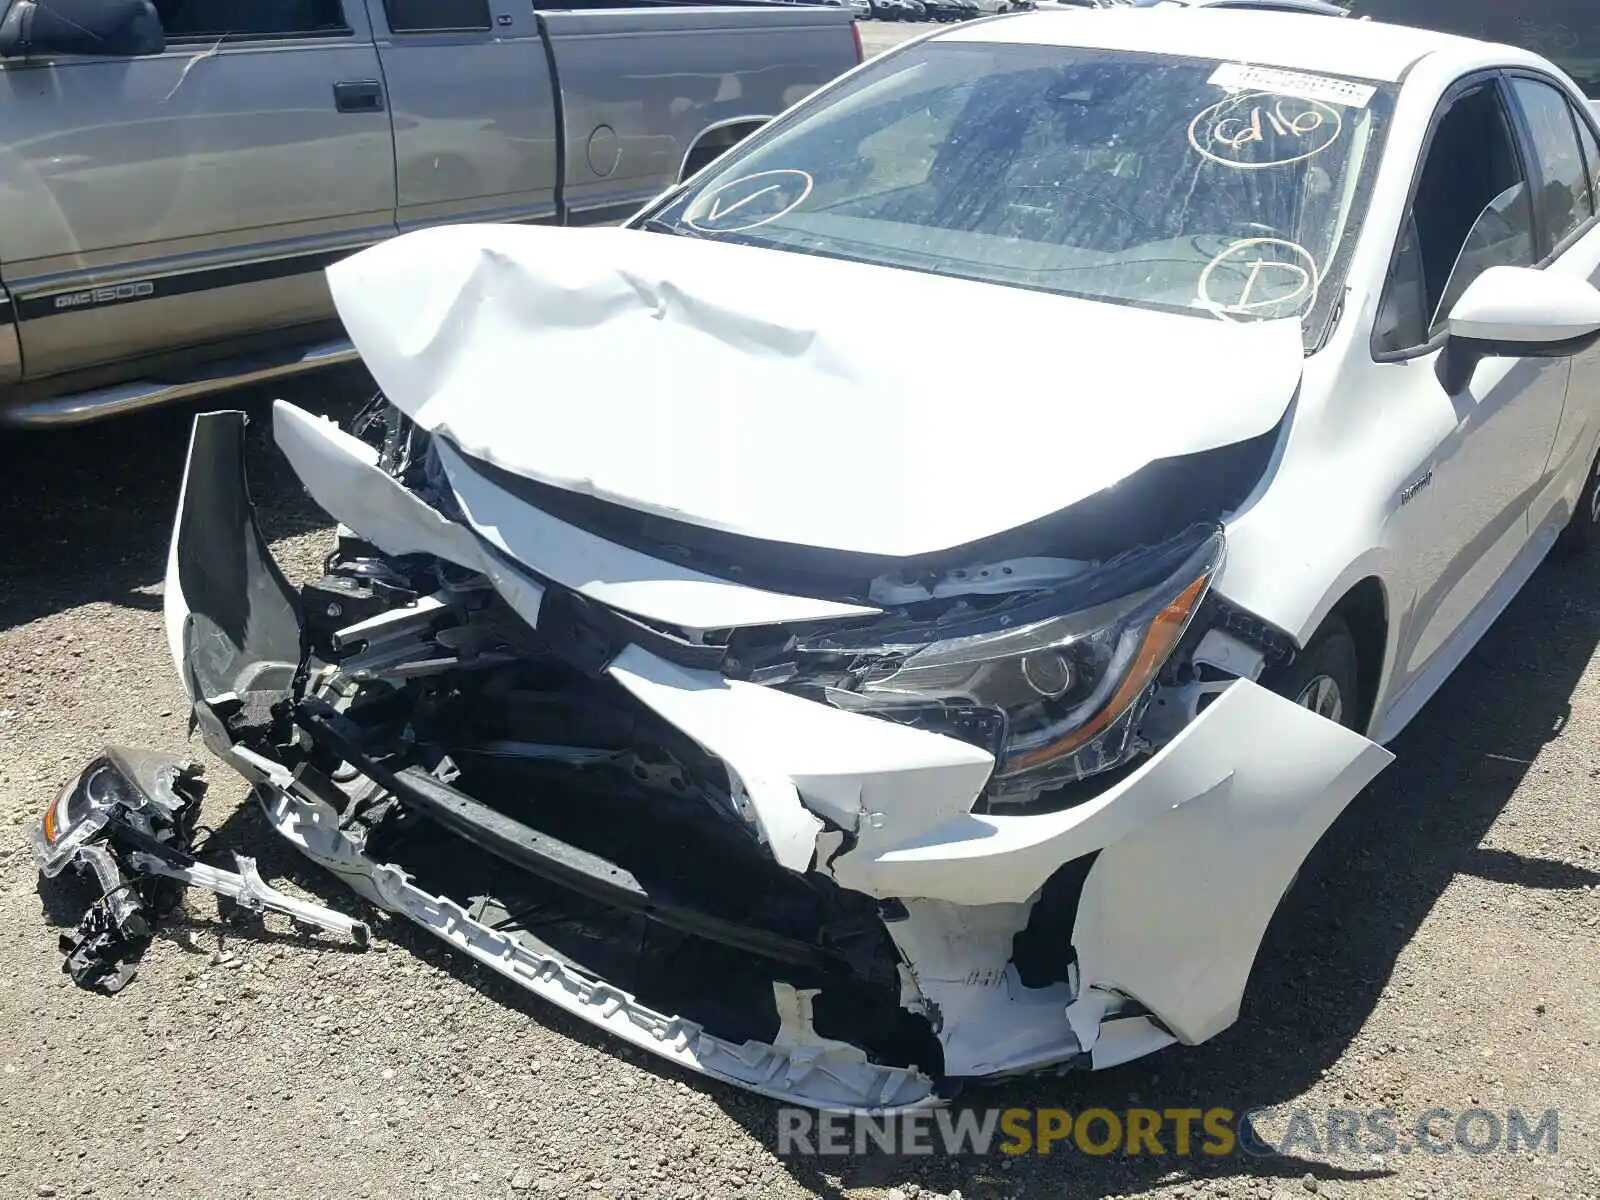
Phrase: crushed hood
(788, 397)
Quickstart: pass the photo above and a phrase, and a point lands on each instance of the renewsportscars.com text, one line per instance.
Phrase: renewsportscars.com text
(1179, 1132)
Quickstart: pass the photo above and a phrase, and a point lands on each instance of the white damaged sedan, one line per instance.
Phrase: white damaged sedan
(850, 709)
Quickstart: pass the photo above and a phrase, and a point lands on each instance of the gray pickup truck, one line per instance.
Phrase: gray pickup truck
(176, 175)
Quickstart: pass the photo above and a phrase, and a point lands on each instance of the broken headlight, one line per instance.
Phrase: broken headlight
(1061, 676)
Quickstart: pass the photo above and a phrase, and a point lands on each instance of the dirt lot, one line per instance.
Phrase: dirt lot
(878, 36)
(1439, 951)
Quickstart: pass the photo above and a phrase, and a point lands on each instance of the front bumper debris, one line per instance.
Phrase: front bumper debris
(793, 898)
(796, 1065)
(128, 820)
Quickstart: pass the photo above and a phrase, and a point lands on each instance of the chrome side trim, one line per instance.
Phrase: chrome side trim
(64, 411)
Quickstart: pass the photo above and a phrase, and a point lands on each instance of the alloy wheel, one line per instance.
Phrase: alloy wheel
(1322, 696)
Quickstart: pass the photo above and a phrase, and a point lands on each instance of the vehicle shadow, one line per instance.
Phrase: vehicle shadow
(85, 514)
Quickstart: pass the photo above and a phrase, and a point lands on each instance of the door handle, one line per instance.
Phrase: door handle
(358, 96)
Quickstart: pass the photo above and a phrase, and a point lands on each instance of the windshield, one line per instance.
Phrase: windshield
(1211, 188)
(1567, 32)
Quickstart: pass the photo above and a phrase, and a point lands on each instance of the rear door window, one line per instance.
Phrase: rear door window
(1591, 156)
(1564, 200)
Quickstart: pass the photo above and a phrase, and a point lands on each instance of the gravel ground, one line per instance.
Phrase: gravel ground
(878, 36)
(1438, 951)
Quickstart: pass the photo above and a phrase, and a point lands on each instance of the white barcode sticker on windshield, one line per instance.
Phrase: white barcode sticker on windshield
(1240, 77)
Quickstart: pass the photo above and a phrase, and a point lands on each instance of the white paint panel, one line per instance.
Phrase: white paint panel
(988, 1022)
(727, 386)
(1126, 1039)
(342, 475)
(807, 755)
(174, 606)
(341, 472)
(1292, 40)
(1523, 304)
(616, 575)
(1173, 913)
(980, 858)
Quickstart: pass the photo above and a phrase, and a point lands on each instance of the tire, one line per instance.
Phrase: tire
(1329, 656)
(1582, 533)
(1324, 677)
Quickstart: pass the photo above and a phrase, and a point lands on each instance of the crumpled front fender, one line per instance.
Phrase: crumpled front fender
(1193, 851)
(1172, 914)
(1250, 743)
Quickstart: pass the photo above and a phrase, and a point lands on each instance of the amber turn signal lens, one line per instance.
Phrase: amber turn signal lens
(1158, 644)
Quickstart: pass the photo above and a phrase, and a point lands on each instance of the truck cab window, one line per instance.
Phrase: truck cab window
(246, 18)
(436, 16)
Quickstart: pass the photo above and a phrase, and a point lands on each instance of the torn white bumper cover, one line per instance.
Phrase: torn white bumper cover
(827, 822)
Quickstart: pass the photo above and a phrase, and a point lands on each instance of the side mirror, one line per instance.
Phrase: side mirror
(105, 28)
(1518, 312)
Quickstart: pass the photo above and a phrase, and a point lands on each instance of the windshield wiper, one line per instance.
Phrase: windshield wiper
(657, 225)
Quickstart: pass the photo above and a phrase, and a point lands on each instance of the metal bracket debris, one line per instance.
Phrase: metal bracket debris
(251, 892)
(128, 821)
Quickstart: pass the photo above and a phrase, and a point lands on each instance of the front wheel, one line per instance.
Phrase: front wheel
(1323, 677)
(1582, 533)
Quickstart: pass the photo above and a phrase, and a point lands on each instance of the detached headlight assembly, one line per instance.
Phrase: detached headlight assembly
(1058, 680)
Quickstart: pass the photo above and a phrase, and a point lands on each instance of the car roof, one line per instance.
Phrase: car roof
(1324, 8)
(1364, 49)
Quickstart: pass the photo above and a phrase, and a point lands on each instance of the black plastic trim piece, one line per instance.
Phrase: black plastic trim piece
(606, 214)
(549, 858)
(554, 68)
(1137, 510)
(587, 635)
(244, 618)
(358, 96)
(1277, 647)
